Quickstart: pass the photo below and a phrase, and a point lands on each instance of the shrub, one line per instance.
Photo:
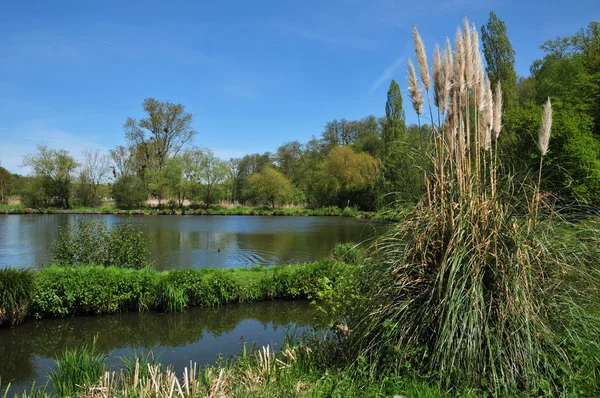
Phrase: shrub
(16, 290)
(349, 253)
(91, 242)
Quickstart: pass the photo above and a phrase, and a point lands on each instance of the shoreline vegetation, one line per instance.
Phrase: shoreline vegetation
(331, 211)
(59, 291)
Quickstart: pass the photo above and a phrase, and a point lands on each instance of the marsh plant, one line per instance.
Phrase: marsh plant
(467, 289)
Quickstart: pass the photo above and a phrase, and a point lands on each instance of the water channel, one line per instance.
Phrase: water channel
(201, 335)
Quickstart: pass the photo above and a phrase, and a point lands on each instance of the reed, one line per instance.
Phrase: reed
(465, 288)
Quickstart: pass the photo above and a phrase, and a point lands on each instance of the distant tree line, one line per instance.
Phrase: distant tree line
(366, 164)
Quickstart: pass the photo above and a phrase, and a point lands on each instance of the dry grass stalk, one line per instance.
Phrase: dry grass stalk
(497, 111)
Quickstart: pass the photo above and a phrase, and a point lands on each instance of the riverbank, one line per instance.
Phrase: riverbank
(66, 291)
(225, 211)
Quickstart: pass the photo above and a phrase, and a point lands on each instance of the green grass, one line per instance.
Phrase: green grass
(16, 291)
(76, 370)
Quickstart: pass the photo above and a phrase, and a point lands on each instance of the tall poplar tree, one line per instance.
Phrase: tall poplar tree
(500, 59)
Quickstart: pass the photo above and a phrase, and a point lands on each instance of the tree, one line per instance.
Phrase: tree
(94, 169)
(500, 59)
(128, 191)
(233, 176)
(166, 130)
(287, 157)
(6, 185)
(210, 172)
(123, 163)
(270, 185)
(54, 170)
(345, 176)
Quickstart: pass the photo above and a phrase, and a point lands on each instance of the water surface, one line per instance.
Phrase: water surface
(199, 334)
(194, 241)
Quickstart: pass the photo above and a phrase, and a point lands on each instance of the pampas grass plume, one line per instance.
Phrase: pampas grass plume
(413, 89)
(498, 110)
(544, 138)
(421, 58)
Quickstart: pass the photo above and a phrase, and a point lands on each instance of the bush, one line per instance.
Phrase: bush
(348, 253)
(128, 192)
(16, 290)
(91, 242)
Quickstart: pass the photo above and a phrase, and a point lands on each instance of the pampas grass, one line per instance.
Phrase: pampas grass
(465, 281)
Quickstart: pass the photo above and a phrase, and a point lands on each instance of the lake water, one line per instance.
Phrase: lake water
(27, 352)
(194, 241)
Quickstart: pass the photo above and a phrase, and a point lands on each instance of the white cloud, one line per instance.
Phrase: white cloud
(386, 75)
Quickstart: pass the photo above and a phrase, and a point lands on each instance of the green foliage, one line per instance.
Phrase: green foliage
(349, 253)
(269, 185)
(6, 185)
(77, 370)
(129, 191)
(64, 291)
(500, 59)
(91, 242)
(16, 290)
(53, 169)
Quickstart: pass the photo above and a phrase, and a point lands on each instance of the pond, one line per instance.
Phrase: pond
(27, 352)
(195, 241)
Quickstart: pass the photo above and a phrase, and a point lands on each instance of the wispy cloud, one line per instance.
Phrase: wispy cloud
(23, 140)
(344, 38)
(386, 75)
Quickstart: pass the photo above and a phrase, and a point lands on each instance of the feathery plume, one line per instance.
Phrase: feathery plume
(477, 64)
(544, 138)
(489, 108)
(438, 77)
(421, 58)
(480, 90)
(469, 71)
(413, 89)
(459, 61)
(498, 110)
(447, 68)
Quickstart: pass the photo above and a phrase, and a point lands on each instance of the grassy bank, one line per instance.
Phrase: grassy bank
(215, 210)
(66, 291)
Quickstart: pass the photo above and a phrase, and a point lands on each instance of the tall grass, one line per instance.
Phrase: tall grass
(16, 291)
(465, 289)
(76, 370)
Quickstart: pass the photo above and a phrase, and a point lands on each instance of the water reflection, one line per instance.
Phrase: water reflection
(195, 241)
(199, 334)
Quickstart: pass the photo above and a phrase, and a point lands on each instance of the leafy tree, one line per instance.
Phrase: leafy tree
(270, 185)
(123, 162)
(6, 185)
(345, 176)
(162, 134)
(54, 171)
(210, 172)
(178, 177)
(288, 157)
(129, 191)
(500, 58)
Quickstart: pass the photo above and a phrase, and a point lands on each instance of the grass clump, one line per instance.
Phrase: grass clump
(77, 370)
(466, 290)
(16, 290)
(91, 242)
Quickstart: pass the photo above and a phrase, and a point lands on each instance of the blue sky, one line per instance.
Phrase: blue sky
(255, 74)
